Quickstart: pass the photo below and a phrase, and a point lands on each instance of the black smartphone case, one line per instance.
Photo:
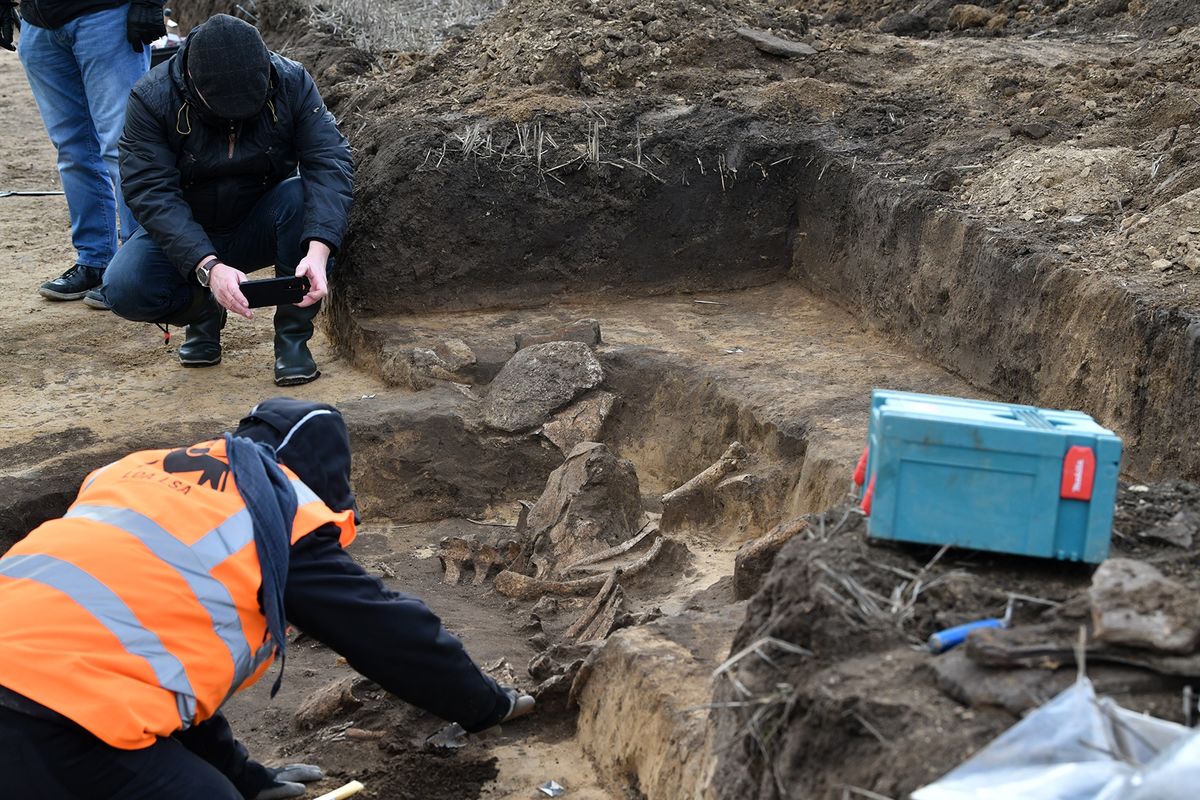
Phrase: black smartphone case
(275, 291)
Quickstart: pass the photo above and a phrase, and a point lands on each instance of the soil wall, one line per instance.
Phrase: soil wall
(1006, 315)
(456, 213)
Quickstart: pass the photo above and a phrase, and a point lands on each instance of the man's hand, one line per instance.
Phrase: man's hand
(144, 24)
(10, 22)
(225, 282)
(312, 266)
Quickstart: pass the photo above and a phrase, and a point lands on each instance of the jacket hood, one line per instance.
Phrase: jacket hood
(311, 440)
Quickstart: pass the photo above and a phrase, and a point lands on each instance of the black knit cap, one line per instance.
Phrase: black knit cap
(311, 440)
(229, 67)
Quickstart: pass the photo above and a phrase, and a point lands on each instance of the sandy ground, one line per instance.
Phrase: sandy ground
(67, 366)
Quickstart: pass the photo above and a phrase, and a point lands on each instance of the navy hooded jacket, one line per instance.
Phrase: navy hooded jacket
(391, 638)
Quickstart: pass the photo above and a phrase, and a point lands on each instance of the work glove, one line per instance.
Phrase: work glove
(10, 23)
(520, 704)
(144, 24)
(289, 781)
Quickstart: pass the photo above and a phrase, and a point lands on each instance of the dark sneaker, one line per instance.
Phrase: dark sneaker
(72, 284)
(94, 299)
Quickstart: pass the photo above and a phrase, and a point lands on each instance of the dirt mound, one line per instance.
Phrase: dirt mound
(860, 684)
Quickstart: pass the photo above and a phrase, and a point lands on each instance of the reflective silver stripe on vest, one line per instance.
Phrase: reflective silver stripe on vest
(225, 540)
(111, 612)
(212, 594)
(95, 475)
(237, 532)
(304, 495)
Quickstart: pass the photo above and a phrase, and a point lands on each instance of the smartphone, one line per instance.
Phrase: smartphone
(275, 291)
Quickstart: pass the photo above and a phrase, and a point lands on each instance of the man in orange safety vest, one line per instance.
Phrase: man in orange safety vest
(168, 585)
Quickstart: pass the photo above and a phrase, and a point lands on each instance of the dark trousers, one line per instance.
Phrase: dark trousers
(141, 283)
(42, 759)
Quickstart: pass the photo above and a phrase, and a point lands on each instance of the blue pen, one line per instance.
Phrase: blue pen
(950, 638)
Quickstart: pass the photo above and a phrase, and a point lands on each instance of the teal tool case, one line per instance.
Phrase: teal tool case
(990, 476)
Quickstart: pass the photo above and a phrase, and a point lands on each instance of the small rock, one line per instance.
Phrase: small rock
(903, 22)
(332, 701)
(772, 44)
(968, 15)
(538, 381)
(1134, 604)
(541, 667)
(1162, 264)
(659, 31)
(546, 607)
(1028, 215)
(1034, 130)
(455, 354)
(539, 641)
(1180, 530)
(1066, 249)
(1173, 30)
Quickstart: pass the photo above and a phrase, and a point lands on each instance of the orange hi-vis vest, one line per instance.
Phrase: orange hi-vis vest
(136, 615)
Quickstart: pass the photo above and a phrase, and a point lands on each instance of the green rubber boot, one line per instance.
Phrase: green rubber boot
(294, 364)
(202, 346)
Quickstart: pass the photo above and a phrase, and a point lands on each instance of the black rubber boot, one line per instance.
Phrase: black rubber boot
(202, 348)
(294, 364)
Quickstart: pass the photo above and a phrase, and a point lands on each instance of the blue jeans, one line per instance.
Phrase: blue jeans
(81, 75)
(141, 283)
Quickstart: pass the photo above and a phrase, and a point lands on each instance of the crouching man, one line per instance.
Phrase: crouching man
(231, 163)
(168, 585)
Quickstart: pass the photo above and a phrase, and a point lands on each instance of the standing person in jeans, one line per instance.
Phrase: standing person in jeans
(231, 163)
(81, 58)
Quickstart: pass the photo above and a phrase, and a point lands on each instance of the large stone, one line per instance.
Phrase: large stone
(591, 502)
(772, 44)
(1134, 604)
(538, 381)
(582, 421)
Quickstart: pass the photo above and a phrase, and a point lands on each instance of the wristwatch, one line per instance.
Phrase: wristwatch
(205, 269)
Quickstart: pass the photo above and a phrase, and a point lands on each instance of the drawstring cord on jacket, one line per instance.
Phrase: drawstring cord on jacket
(182, 114)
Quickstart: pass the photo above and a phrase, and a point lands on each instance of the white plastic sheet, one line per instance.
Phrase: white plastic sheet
(1077, 747)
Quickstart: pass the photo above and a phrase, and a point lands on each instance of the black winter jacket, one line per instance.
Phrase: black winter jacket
(185, 174)
(391, 638)
(56, 13)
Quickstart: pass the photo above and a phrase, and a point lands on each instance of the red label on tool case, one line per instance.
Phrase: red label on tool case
(1079, 473)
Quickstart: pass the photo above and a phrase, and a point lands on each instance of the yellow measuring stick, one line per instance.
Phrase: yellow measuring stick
(351, 788)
